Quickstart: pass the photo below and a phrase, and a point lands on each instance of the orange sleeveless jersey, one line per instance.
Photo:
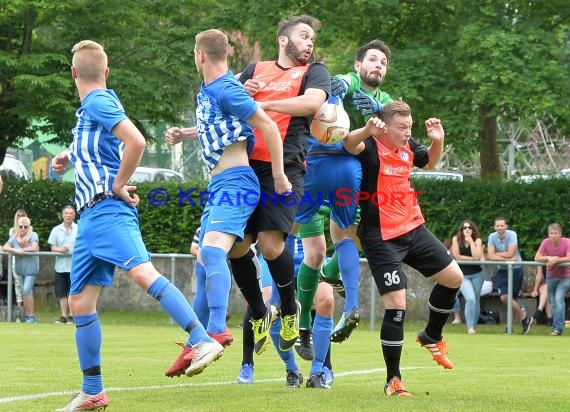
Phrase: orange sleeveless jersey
(276, 83)
(398, 207)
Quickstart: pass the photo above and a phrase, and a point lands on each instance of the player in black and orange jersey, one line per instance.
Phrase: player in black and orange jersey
(291, 90)
(392, 231)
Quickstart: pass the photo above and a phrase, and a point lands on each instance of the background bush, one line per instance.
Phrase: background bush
(529, 208)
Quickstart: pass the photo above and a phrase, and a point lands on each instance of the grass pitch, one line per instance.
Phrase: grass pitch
(39, 371)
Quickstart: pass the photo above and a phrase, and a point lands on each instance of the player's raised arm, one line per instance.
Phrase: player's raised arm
(436, 134)
(354, 142)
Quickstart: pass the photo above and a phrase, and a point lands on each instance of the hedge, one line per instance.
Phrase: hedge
(529, 208)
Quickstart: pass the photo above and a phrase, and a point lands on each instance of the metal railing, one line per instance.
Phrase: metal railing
(373, 289)
(10, 281)
(508, 263)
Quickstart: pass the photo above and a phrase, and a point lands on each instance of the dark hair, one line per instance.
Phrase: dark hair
(286, 25)
(373, 45)
(475, 234)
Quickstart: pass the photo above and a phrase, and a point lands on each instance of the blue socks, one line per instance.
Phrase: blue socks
(176, 305)
(348, 263)
(88, 342)
(218, 284)
(322, 328)
(200, 304)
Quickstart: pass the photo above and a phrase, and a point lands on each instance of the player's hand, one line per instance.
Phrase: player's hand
(127, 195)
(434, 129)
(173, 135)
(339, 87)
(60, 162)
(375, 126)
(282, 183)
(367, 105)
(252, 86)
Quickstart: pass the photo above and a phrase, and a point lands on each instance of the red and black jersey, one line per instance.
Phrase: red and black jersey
(392, 208)
(278, 83)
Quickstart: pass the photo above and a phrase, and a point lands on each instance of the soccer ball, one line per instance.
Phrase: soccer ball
(330, 124)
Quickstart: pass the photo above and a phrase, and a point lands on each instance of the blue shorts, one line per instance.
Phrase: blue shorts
(108, 235)
(501, 282)
(336, 177)
(233, 196)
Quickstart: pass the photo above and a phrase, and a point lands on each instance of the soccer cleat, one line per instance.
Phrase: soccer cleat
(245, 376)
(294, 379)
(328, 375)
(338, 285)
(204, 354)
(261, 329)
(395, 387)
(83, 402)
(224, 338)
(526, 324)
(345, 326)
(438, 349)
(289, 330)
(182, 362)
(317, 381)
(62, 320)
(304, 345)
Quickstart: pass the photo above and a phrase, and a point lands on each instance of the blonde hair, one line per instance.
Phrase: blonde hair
(24, 221)
(214, 43)
(90, 60)
(19, 213)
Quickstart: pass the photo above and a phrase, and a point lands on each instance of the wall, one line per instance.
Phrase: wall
(124, 294)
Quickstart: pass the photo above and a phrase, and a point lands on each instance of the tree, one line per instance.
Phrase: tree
(473, 62)
(469, 63)
(149, 45)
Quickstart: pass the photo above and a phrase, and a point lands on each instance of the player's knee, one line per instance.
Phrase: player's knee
(324, 302)
(314, 258)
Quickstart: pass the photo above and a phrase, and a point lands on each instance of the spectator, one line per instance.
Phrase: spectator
(12, 261)
(503, 246)
(467, 245)
(27, 267)
(540, 290)
(62, 240)
(554, 250)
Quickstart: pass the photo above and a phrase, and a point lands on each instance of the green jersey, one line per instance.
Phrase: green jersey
(357, 120)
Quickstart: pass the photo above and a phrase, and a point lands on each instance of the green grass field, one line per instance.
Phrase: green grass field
(39, 371)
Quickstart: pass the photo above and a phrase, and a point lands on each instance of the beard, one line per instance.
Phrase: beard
(296, 55)
(369, 80)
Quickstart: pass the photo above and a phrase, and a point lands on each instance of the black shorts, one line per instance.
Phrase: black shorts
(418, 248)
(62, 284)
(275, 212)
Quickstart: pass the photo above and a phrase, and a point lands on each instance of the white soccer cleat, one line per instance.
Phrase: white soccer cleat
(204, 354)
(84, 402)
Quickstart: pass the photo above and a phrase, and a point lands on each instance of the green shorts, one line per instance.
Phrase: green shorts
(316, 227)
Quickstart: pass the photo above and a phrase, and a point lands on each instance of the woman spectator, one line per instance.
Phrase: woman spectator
(27, 267)
(467, 245)
(12, 261)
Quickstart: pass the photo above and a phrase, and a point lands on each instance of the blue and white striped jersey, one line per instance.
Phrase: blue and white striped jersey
(222, 113)
(95, 151)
